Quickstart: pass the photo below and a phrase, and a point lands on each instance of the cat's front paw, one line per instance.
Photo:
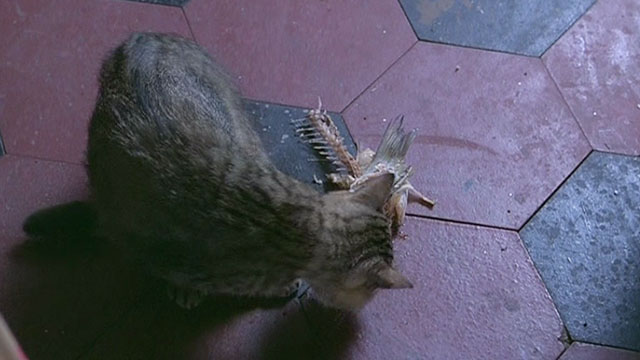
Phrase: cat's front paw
(186, 298)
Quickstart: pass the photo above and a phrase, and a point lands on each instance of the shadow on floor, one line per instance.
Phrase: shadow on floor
(80, 299)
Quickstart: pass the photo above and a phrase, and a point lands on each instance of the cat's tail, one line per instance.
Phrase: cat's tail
(71, 221)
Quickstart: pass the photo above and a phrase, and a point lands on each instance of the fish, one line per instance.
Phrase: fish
(319, 131)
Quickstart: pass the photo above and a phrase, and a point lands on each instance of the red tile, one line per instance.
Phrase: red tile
(495, 137)
(57, 303)
(580, 351)
(222, 329)
(27, 185)
(476, 295)
(50, 55)
(296, 50)
(597, 67)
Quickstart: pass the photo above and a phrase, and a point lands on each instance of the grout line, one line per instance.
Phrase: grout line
(3, 150)
(575, 21)
(534, 263)
(616, 153)
(568, 340)
(583, 135)
(406, 17)
(477, 48)
(416, 40)
(553, 193)
(562, 352)
(633, 351)
(462, 222)
(547, 290)
(186, 18)
(377, 78)
(564, 99)
(150, 3)
(543, 282)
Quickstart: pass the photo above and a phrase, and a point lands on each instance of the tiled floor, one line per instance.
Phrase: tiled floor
(533, 248)
(585, 243)
(519, 27)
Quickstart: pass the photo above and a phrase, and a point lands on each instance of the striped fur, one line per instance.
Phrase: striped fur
(180, 181)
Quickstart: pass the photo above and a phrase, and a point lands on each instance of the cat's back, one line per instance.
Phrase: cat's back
(168, 133)
(159, 90)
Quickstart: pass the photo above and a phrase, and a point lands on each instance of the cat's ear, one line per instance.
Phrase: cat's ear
(375, 191)
(390, 278)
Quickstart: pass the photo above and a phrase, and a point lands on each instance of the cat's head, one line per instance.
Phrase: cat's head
(354, 255)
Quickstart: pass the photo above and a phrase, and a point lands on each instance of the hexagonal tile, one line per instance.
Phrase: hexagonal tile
(301, 49)
(521, 27)
(285, 148)
(495, 137)
(49, 62)
(476, 295)
(581, 351)
(48, 296)
(586, 244)
(597, 67)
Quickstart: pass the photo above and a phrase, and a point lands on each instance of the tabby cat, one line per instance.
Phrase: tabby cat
(180, 181)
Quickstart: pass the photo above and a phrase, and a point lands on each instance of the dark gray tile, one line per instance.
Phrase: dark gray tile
(521, 27)
(165, 2)
(290, 154)
(586, 244)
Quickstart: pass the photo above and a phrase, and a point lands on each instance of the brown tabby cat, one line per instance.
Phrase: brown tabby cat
(180, 180)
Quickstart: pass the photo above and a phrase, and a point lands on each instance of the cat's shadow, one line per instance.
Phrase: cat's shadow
(84, 301)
